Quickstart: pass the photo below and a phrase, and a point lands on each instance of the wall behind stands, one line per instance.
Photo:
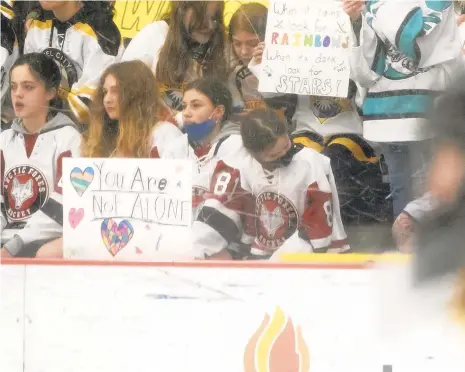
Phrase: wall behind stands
(83, 316)
(132, 15)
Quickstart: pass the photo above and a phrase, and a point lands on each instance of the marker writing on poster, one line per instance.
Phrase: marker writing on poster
(137, 195)
(306, 46)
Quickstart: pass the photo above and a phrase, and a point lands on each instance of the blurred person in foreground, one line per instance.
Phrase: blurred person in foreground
(439, 246)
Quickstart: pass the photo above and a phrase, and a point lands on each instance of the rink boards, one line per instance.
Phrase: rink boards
(317, 316)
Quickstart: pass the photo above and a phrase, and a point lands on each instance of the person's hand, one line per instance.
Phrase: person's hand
(258, 52)
(4, 253)
(447, 174)
(353, 8)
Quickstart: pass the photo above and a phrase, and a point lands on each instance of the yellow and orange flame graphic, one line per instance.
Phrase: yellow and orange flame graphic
(277, 346)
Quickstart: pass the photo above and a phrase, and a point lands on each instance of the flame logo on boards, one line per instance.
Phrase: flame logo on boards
(277, 346)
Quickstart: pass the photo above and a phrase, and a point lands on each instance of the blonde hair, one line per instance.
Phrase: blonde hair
(139, 106)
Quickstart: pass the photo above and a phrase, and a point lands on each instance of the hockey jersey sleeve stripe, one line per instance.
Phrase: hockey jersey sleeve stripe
(84, 91)
(7, 12)
(54, 210)
(80, 110)
(86, 29)
(43, 25)
(221, 222)
(355, 149)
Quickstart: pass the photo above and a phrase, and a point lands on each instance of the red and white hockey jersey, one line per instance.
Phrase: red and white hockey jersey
(298, 201)
(227, 144)
(31, 170)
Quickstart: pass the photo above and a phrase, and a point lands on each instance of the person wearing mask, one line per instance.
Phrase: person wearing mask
(290, 188)
(31, 154)
(189, 44)
(209, 133)
(333, 126)
(83, 39)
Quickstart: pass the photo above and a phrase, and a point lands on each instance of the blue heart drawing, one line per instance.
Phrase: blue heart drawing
(81, 179)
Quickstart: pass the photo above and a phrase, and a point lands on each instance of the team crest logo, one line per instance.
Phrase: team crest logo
(26, 191)
(325, 108)
(277, 219)
(68, 69)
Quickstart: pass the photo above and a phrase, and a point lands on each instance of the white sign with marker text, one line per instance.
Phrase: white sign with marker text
(127, 209)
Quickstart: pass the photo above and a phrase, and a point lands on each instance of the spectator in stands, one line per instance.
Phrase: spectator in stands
(126, 122)
(246, 29)
(9, 49)
(207, 106)
(83, 39)
(405, 54)
(31, 155)
(333, 126)
(292, 190)
(127, 119)
(187, 45)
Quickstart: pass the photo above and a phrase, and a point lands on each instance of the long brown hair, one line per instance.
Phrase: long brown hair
(175, 57)
(251, 18)
(139, 106)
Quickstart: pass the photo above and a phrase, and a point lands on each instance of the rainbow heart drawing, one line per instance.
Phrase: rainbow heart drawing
(81, 179)
(116, 236)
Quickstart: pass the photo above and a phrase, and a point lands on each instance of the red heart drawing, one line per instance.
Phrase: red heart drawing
(147, 227)
(138, 250)
(75, 217)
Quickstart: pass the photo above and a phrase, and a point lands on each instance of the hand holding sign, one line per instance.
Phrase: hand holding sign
(306, 48)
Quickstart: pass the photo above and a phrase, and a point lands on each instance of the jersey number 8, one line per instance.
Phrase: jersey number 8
(222, 185)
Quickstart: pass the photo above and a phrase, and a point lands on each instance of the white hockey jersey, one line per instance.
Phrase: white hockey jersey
(299, 200)
(409, 53)
(228, 143)
(31, 171)
(82, 50)
(164, 134)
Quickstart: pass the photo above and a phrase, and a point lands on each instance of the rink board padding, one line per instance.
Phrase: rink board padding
(318, 316)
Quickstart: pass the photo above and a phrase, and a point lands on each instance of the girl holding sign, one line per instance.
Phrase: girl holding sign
(127, 121)
(31, 154)
(246, 30)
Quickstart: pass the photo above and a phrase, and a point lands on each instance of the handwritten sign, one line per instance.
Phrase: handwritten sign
(127, 209)
(131, 16)
(306, 49)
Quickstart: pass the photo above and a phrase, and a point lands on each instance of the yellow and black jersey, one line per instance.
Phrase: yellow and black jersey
(82, 46)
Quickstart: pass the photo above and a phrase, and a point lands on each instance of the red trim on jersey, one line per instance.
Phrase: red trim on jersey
(2, 168)
(59, 172)
(339, 243)
(154, 154)
(201, 151)
(29, 143)
(315, 217)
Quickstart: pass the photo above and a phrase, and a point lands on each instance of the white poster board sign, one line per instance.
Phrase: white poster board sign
(127, 209)
(306, 48)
